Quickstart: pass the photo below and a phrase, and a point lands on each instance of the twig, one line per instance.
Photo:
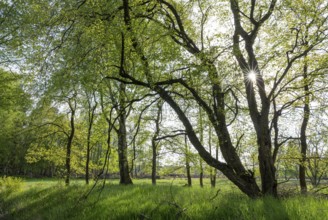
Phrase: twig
(317, 190)
(217, 193)
(285, 181)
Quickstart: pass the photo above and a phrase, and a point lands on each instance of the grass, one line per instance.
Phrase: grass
(50, 199)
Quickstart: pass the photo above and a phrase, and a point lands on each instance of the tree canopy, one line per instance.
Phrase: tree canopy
(246, 76)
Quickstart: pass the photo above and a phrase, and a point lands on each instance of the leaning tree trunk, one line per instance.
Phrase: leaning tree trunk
(233, 169)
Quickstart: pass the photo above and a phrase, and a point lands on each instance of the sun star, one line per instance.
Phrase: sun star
(252, 76)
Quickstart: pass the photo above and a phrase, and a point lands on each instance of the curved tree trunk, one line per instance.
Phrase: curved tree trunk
(245, 182)
(70, 141)
(233, 169)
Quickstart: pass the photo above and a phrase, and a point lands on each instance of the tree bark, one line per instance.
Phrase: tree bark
(187, 160)
(70, 140)
(201, 138)
(212, 170)
(243, 180)
(122, 143)
(155, 144)
(233, 168)
(154, 163)
(91, 115)
(201, 173)
(260, 118)
(306, 115)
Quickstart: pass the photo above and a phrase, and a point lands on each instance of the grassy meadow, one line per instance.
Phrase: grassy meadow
(170, 199)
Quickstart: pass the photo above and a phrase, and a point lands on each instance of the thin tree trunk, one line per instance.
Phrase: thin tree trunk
(155, 144)
(87, 162)
(306, 115)
(201, 173)
(70, 141)
(154, 163)
(132, 164)
(91, 114)
(201, 138)
(217, 158)
(212, 169)
(189, 182)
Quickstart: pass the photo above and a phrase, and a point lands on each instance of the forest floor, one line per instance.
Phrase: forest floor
(170, 199)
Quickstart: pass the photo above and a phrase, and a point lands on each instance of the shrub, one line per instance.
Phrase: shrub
(9, 184)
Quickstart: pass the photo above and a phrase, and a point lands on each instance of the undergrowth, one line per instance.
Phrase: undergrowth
(10, 185)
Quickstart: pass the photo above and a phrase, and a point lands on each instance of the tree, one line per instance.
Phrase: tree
(316, 161)
(118, 124)
(92, 105)
(303, 135)
(250, 66)
(213, 172)
(187, 158)
(72, 107)
(155, 143)
(122, 142)
(14, 105)
(234, 169)
(46, 151)
(166, 47)
(9, 35)
(246, 29)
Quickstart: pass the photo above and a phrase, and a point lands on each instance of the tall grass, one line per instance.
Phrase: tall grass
(48, 199)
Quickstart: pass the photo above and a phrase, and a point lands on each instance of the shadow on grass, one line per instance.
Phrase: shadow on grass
(50, 203)
(237, 206)
(59, 202)
(144, 202)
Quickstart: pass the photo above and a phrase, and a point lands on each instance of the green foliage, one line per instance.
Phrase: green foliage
(9, 184)
(14, 104)
(77, 48)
